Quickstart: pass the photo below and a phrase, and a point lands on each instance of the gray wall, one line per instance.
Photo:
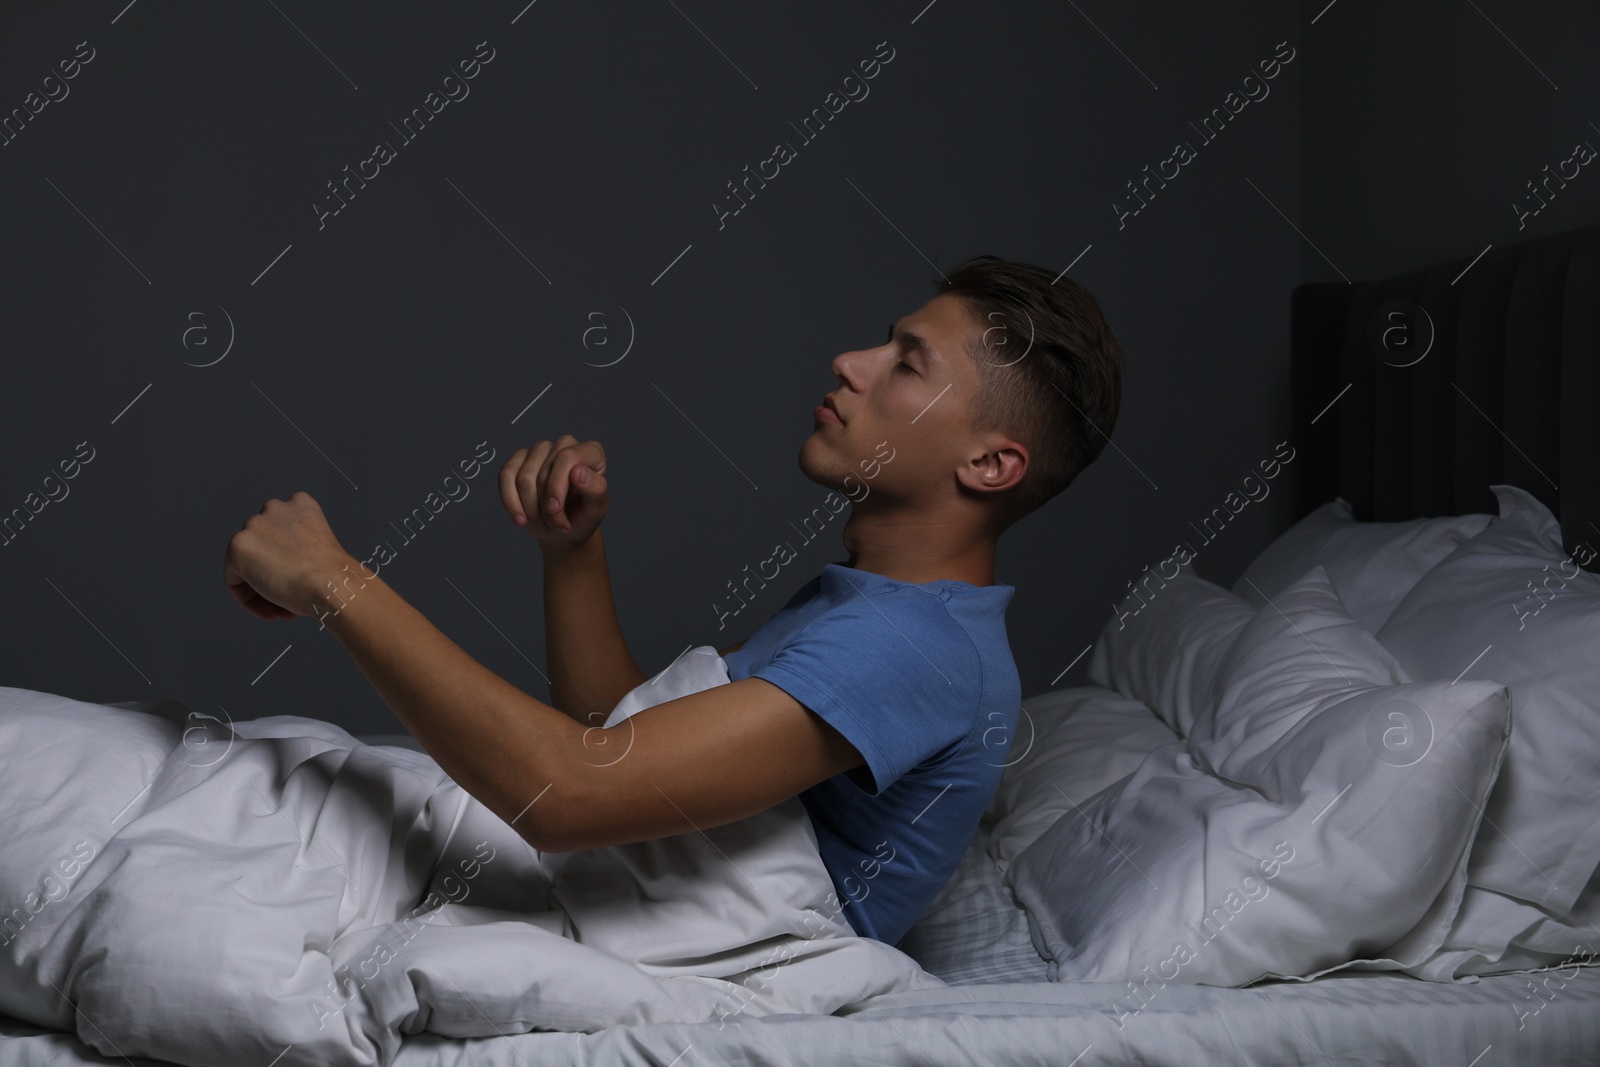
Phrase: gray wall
(1425, 121)
(168, 201)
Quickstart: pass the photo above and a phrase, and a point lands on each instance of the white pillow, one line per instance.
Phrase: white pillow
(1301, 647)
(1372, 565)
(1164, 647)
(1337, 836)
(1494, 933)
(1512, 605)
(1071, 743)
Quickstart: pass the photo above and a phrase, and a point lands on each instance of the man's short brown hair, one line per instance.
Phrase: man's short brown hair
(1049, 369)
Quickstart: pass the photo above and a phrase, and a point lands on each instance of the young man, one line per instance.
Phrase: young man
(883, 693)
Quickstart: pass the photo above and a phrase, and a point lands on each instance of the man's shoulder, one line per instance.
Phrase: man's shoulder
(881, 613)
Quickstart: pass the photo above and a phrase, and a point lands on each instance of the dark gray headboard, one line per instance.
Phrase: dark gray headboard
(1451, 378)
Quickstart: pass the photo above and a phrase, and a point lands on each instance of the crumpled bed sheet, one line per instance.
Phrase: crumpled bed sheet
(181, 887)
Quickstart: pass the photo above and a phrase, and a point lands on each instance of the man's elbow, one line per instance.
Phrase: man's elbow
(561, 839)
(559, 816)
(550, 839)
(533, 836)
(554, 823)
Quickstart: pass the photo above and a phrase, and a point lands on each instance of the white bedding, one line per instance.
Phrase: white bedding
(1551, 1018)
(1392, 1020)
(1316, 816)
(192, 891)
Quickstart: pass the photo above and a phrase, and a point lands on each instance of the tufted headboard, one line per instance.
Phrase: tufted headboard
(1411, 395)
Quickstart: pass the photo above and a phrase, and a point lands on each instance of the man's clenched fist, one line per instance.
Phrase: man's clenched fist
(283, 558)
(556, 489)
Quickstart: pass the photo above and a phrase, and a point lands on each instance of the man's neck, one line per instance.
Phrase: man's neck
(913, 551)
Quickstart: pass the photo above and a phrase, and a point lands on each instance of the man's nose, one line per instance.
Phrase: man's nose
(848, 366)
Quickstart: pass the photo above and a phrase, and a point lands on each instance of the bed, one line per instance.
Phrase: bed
(1425, 635)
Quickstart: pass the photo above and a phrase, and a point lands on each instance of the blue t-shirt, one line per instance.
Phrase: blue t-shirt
(920, 678)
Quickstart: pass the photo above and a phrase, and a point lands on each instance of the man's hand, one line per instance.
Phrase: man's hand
(279, 562)
(562, 483)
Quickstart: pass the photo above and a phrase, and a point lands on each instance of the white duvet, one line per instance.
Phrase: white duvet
(273, 891)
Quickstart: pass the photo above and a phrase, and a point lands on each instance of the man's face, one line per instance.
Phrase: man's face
(906, 397)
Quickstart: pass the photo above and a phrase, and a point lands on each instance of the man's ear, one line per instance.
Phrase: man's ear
(1000, 466)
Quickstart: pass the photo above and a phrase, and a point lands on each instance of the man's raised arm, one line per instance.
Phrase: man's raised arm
(698, 761)
(557, 491)
(590, 665)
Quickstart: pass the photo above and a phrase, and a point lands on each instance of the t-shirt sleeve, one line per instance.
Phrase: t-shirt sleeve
(894, 673)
